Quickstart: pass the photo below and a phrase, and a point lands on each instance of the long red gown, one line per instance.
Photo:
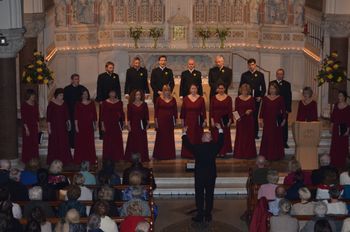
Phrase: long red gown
(340, 144)
(85, 115)
(190, 113)
(218, 109)
(166, 114)
(272, 147)
(137, 137)
(111, 116)
(245, 130)
(30, 144)
(58, 148)
(307, 113)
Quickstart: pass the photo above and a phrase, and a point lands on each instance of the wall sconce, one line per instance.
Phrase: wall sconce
(3, 40)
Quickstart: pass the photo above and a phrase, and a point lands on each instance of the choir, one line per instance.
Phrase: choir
(72, 116)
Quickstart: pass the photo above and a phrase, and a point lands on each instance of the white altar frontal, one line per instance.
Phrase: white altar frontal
(82, 35)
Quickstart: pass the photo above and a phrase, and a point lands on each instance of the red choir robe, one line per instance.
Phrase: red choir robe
(307, 113)
(30, 143)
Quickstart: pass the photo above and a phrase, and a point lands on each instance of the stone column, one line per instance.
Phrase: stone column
(8, 96)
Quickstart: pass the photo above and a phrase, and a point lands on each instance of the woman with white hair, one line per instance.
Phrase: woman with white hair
(36, 200)
(70, 223)
(56, 179)
(305, 206)
(320, 210)
(136, 206)
(269, 190)
(284, 222)
(90, 179)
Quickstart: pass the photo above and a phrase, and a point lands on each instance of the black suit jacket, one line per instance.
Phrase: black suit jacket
(187, 79)
(286, 92)
(159, 78)
(205, 155)
(217, 75)
(256, 80)
(106, 83)
(71, 96)
(136, 79)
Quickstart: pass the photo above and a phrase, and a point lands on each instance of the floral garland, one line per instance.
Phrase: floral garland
(331, 70)
(37, 72)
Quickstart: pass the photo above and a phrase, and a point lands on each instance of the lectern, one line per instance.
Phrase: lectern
(307, 136)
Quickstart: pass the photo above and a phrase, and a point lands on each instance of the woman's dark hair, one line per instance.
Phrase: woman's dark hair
(33, 226)
(220, 83)
(162, 56)
(43, 176)
(344, 93)
(82, 92)
(275, 85)
(98, 204)
(133, 94)
(58, 91)
(322, 226)
(29, 93)
(103, 178)
(37, 214)
(298, 176)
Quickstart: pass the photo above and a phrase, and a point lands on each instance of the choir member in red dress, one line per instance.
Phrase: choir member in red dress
(193, 117)
(340, 119)
(245, 130)
(272, 119)
(165, 116)
(30, 131)
(137, 125)
(58, 125)
(307, 108)
(112, 123)
(221, 112)
(85, 125)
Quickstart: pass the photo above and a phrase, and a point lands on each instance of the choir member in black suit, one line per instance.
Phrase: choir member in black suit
(205, 171)
(190, 77)
(219, 74)
(161, 76)
(136, 78)
(106, 82)
(256, 80)
(286, 92)
(72, 95)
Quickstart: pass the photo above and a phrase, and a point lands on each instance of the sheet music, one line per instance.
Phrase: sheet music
(236, 115)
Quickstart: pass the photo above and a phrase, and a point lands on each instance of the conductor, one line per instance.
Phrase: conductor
(205, 171)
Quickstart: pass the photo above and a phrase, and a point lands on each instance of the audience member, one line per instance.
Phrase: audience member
(142, 227)
(137, 166)
(323, 226)
(331, 180)
(32, 226)
(56, 179)
(94, 223)
(71, 223)
(136, 206)
(268, 190)
(106, 193)
(298, 182)
(284, 222)
(107, 224)
(103, 179)
(259, 175)
(49, 192)
(295, 169)
(73, 195)
(344, 178)
(18, 191)
(37, 214)
(28, 176)
(305, 206)
(5, 166)
(7, 222)
(130, 222)
(346, 225)
(135, 180)
(86, 193)
(274, 205)
(334, 206)
(108, 168)
(320, 211)
(5, 197)
(90, 179)
(318, 176)
(36, 201)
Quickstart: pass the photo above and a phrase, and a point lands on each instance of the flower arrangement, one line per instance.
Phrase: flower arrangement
(156, 33)
(135, 33)
(37, 72)
(222, 34)
(204, 34)
(331, 70)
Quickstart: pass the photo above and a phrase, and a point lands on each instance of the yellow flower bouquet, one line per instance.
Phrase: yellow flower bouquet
(331, 70)
(37, 72)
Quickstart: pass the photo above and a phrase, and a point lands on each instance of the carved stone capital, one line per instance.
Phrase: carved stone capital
(34, 23)
(15, 40)
(337, 25)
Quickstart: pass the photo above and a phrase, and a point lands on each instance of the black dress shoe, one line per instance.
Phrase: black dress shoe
(198, 219)
(208, 218)
(286, 145)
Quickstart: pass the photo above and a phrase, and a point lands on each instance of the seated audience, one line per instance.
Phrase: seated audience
(320, 211)
(38, 215)
(71, 222)
(5, 197)
(5, 166)
(28, 175)
(274, 205)
(32, 226)
(298, 182)
(56, 179)
(104, 180)
(259, 175)
(135, 180)
(106, 193)
(90, 179)
(7, 222)
(346, 225)
(137, 166)
(136, 206)
(130, 222)
(86, 193)
(108, 168)
(318, 176)
(107, 224)
(49, 192)
(268, 190)
(142, 227)
(94, 223)
(18, 191)
(284, 222)
(36, 201)
(330, 181)
(295, 169)
(344, 178)
(323, 226)
(334, 206)
(73, 195)
(305, 206)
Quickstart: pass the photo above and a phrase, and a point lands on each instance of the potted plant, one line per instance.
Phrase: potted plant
(222, 34)
(135, 33)
(37, 72)
(155, 33)
(204, 34)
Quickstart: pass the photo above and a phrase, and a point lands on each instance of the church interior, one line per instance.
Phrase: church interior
(80, 36)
